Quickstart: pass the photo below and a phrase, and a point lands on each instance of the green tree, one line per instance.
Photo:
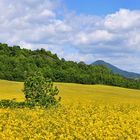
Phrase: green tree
(39, 91)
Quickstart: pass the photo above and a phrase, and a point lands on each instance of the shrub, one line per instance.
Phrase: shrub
(39, 91)
(11, 104)
(7, 103)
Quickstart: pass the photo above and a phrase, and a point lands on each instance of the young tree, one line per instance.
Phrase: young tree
(39, 91)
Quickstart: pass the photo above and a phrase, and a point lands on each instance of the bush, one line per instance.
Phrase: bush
(7, 103)
(39, 91)
(11, 104)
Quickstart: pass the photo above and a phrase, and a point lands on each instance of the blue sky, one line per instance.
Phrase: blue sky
(78, 30)
(101, 7)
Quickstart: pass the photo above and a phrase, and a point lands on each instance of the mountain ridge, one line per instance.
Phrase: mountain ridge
(117, 70)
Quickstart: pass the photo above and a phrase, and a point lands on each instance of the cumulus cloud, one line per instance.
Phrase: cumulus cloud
(122, 20)
(44, 24)
(90, 38)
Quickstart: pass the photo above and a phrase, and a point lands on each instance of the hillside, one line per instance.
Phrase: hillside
(117, 70)
(16, 64)
(74, 93)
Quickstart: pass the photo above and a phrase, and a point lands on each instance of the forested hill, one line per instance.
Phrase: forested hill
(117, 70)
(17, 63)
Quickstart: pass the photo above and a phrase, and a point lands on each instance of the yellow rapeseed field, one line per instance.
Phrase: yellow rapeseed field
(86, 112)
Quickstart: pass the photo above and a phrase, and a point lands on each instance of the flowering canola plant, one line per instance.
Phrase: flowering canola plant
(81, 121)
(86, 113)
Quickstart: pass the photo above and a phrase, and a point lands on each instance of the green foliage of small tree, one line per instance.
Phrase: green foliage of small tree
(39, 91)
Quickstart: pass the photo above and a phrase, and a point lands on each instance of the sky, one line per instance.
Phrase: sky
(78, 30)
(101, 7)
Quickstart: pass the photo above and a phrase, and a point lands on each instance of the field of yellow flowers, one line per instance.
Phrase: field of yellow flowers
(86, 112)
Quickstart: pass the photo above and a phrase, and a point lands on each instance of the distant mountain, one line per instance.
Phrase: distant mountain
(117, 70)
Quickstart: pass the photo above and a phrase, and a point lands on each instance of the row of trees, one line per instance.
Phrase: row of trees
(16, 64)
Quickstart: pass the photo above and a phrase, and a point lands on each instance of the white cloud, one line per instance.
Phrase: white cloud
(42, 23)
(97, 36)
(123, 20)
(47, 13)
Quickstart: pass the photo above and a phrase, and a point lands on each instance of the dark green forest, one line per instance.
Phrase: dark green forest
(16, 64)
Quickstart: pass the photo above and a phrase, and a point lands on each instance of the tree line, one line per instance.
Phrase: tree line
(16, 64)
